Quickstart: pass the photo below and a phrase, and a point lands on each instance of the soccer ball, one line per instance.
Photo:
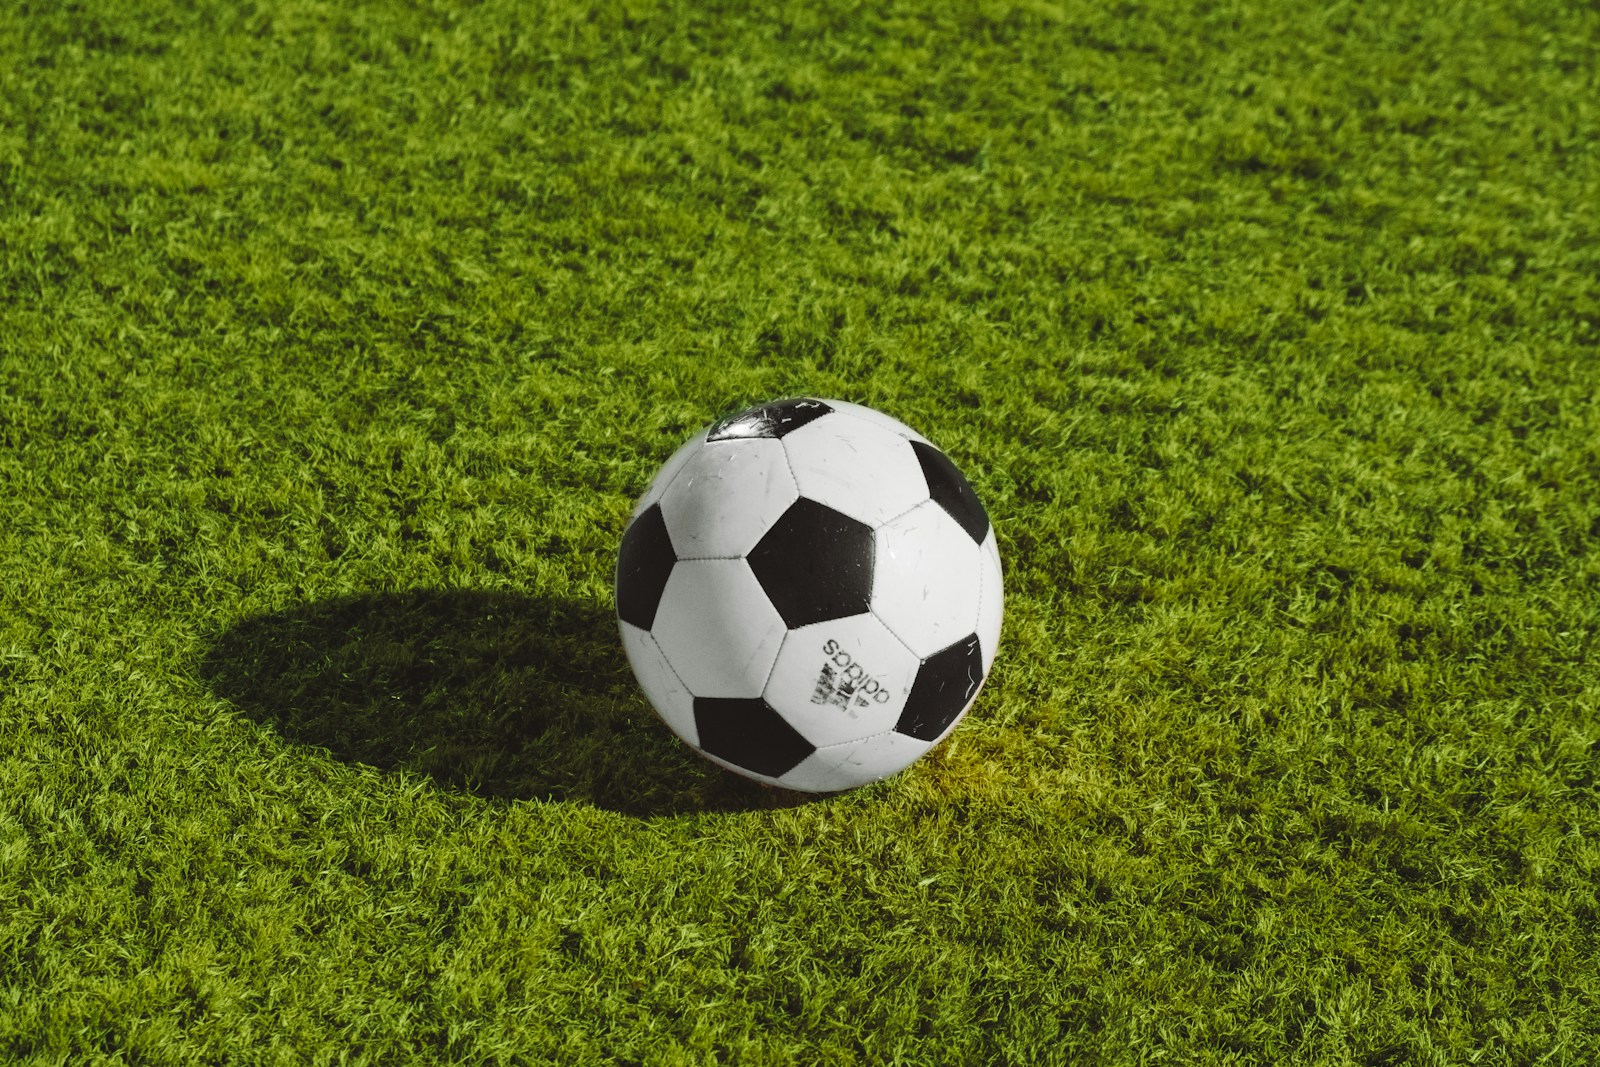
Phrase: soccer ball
(810, 594)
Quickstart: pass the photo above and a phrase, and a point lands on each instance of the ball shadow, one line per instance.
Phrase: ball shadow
(493, 693)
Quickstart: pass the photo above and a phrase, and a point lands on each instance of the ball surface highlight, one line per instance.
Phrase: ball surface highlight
(809, 593)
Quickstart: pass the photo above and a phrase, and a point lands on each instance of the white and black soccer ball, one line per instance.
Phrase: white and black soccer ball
(810, 594)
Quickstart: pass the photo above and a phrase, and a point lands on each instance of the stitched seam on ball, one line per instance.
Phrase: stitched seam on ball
(788, 461)
(875, 426)
(664, 659)
(924, 501)
(728, 764)
(892, 730)
(702, 559)
(868, 737)
(677, 473)
(903, 642)
(695, 744)
(774, 668)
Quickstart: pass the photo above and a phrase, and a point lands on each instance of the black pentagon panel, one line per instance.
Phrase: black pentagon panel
(749, 734)
(815, 564)
(644, 562)
(769, 420)
(952, 491)
(946, 681)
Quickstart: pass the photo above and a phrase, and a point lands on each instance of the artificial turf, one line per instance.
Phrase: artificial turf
(337, 339)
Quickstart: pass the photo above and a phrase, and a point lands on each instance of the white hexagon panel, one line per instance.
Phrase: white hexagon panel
(842, 680)
(864, 471)
(925, 586)
(877, 418)
(726, 496)
(717, 628)
(669, 470)
(991, 599)
(672, 701)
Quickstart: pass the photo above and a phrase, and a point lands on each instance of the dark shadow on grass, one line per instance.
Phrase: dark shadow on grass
(492, 693)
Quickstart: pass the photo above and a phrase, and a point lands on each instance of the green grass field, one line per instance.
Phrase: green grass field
(337, 340)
